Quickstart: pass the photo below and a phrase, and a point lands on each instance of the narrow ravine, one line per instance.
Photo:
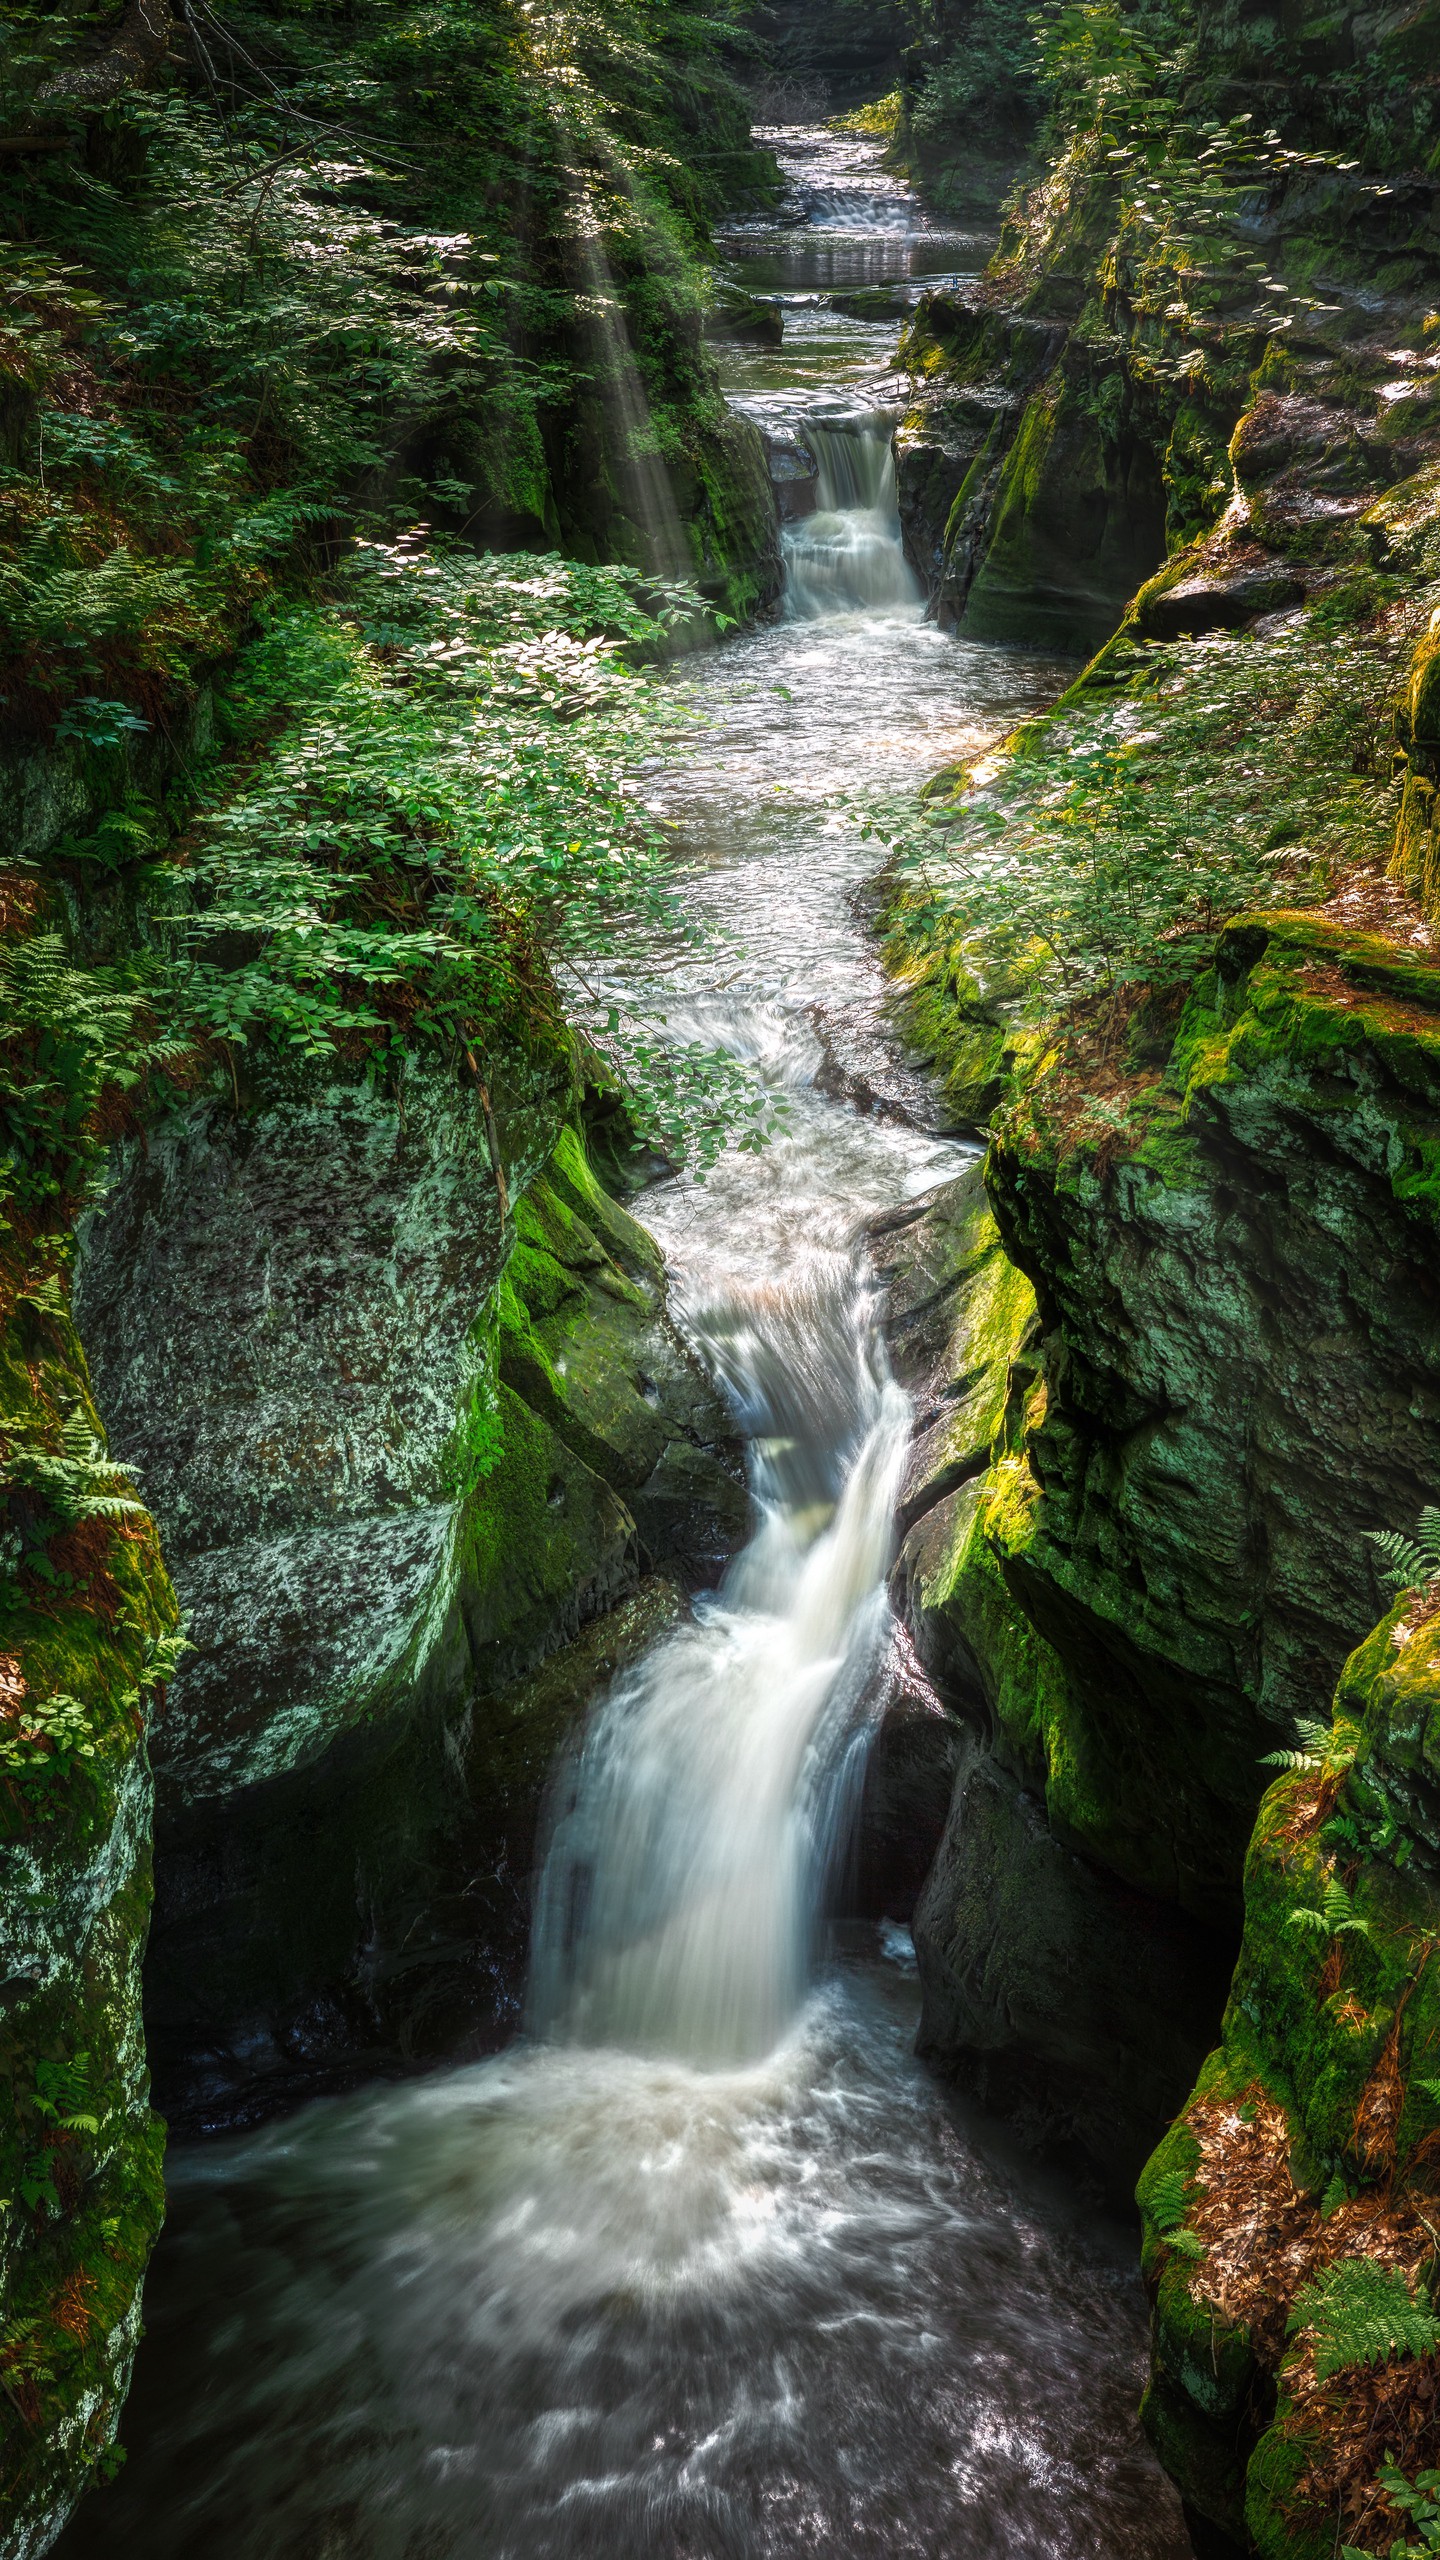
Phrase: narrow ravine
(707, 2263)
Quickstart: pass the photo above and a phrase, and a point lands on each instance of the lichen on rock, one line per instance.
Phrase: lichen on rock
(405, 1435)
(85, 1607)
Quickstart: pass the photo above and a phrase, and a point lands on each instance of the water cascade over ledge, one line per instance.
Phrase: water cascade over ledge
(847, 556)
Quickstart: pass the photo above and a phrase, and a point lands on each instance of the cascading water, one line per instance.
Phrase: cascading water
(706, 2264)
(678, 1902)
(847, 556)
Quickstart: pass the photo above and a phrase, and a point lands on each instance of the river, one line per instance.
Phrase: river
(707, 2263)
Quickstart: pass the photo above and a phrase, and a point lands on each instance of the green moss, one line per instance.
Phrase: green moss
(968, 1028)
(80, 2188)
(1339, 2026)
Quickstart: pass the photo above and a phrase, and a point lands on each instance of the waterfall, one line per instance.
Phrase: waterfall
(692, 1834)
(847, 557)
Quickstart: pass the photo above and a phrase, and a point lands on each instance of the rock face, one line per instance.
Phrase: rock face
(737, 318)
(1309, 2141)
(1240, 1375)
(399, 1454)
(1077, 2004)
(1032, 493)
(83, 1601)
(1188, 1361)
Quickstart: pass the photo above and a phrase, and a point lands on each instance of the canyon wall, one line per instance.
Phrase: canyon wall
(1183, 1355)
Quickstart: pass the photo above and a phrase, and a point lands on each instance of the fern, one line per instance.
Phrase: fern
(1170, 2201)
(22, 2355)
(1410, 1564)
(1314, 1741)
(65, 1035)
(1360, 2312)
(1336, 1915)
(79, 1481)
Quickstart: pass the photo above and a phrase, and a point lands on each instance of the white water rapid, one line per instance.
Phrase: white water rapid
(846, 556)
(706, 2266)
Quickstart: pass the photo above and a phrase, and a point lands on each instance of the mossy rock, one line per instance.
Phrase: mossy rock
(1338, 2026)
(81, 2198)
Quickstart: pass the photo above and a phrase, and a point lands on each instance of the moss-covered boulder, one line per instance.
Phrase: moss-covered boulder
(85, 1611)
(1309, 2145)
(410, 1413)
(1169, 1374)
(1234, 1264)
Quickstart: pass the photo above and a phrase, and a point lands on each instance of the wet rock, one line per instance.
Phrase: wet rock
(1031, 496)
(1193, 605)
(872, 302)
(1072, 2007)
(737, 318)
(909, 1782)
(432, 1831)
(794, 474)
(1043, 1976)
(1239, 1374)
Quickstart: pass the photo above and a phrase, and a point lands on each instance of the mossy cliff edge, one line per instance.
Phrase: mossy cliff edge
(1173, 957)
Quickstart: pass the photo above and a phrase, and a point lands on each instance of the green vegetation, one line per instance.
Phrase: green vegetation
(1419, 2499)
(1360, 2312)
(1249, 771)
(334, 791)
(1412, 1564)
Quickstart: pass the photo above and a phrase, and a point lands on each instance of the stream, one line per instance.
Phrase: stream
(707, 2263)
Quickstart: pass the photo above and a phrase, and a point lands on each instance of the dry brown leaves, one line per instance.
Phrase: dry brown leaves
(1367, 899)
(85, 1553)
(1265, 2238)
(1362, 2418)
(1312, 1805)
(73, 2307)
(1259, 2230)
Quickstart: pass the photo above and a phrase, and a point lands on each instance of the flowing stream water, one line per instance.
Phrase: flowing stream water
(706, 2264)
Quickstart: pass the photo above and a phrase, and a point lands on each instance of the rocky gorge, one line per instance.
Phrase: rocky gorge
(427, 1456)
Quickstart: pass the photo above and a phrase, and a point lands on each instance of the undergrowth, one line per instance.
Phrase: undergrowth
(1238, 771)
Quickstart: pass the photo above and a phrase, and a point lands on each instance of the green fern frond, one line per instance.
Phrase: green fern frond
(1410, 1564)
(1170, 2200)
(1340, 1911)
(1360, 2312)
(1311, 1744)
(1337, 1913)
(79, 1481)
